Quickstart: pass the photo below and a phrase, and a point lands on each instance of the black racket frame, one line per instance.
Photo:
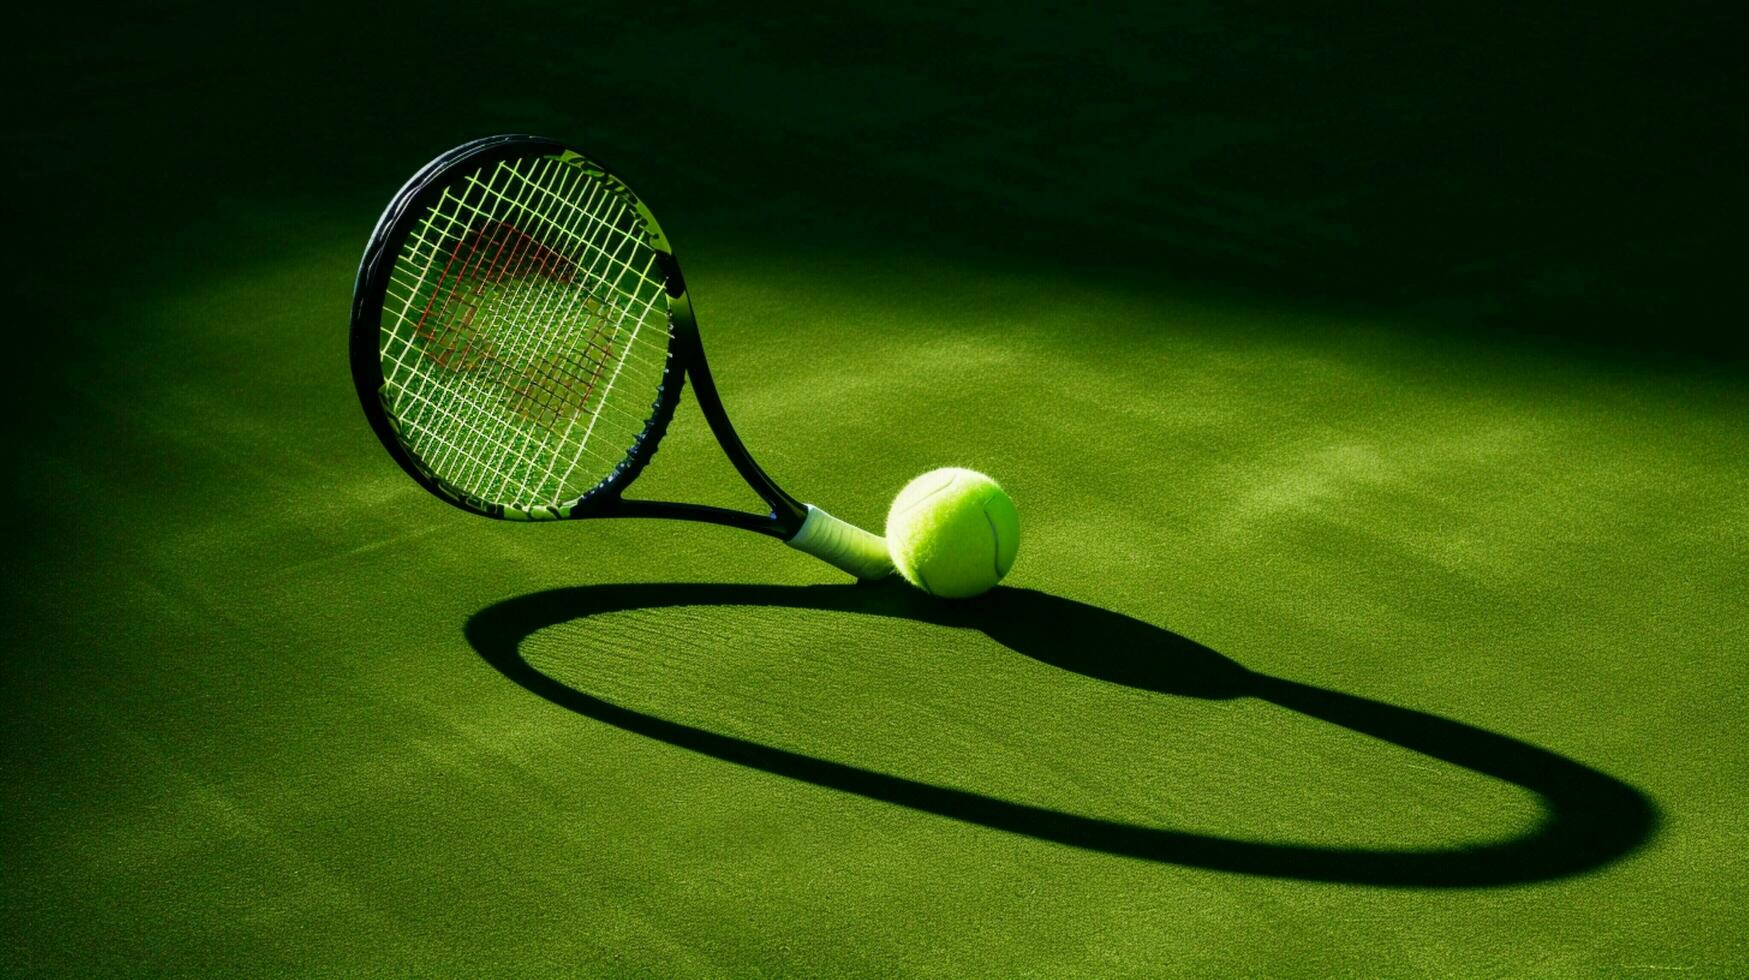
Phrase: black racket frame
(685, 359)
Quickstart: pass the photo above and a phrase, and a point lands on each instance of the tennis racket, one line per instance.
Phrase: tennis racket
(520, 336)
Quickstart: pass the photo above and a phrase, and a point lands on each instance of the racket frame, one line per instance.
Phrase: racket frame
(685, 358)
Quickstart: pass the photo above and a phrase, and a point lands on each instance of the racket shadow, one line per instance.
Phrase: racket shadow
(1589, 819)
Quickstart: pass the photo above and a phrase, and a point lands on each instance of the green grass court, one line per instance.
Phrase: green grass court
(1368, 385)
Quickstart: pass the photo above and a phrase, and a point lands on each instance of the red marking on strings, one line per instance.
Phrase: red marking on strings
(427, 328)
(607, 348)
(527, 396)
(488, 255)
(420, 328)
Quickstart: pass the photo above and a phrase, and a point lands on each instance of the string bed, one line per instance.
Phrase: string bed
(524, 332)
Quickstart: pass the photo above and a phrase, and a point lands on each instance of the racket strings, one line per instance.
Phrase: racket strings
(447, 456)
(420, 238)
(564, 400)
(548, 392)
(525, 332)
(652, 355)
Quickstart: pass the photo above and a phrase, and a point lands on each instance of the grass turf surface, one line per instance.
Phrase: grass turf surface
(259, 710)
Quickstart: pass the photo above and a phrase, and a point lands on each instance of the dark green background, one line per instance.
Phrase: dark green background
(1386, 350)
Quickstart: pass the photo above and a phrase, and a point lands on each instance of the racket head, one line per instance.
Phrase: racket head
(520, 330)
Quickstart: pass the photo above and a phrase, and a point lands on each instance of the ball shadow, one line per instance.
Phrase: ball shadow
(1590, 819)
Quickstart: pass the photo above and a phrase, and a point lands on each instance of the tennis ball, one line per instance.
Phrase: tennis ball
(953, 532)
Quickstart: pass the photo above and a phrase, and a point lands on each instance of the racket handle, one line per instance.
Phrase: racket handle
(843, 545)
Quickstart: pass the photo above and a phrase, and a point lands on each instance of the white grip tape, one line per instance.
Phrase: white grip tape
(843, 545)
